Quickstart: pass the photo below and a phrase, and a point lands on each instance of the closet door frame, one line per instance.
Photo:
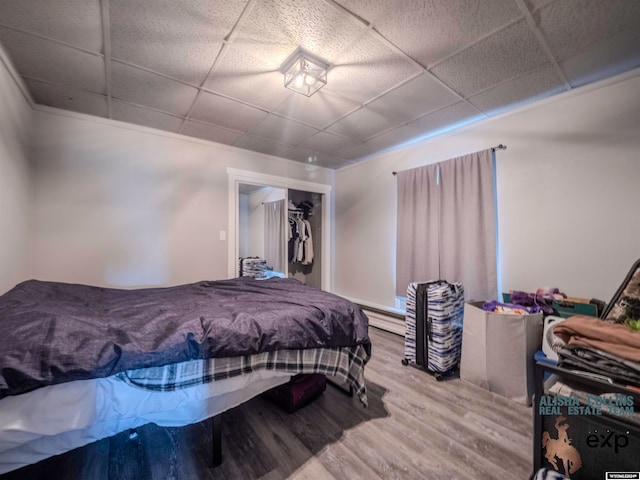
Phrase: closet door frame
(237, 177)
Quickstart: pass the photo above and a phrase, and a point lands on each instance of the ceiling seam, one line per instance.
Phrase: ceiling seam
(423, 69)
(508, 80)
(300, 122)
(145, 107)
(49, 39)
(471, 45)
(257, 137)
(464, 98)
(439, 109)
(188, 84)
(202, 122)
(178, 116)
(64, 85)
(119, 100)
(106, 39)
(221, 54)
(133, 104)
(542, 42)
(154, 72)
(348, 13)
(369, 27)
(187, 116)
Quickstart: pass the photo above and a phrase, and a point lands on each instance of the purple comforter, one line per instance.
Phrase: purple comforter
(56, 332)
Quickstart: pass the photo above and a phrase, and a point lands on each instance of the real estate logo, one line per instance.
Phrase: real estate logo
(608, 439)
(559, 449)
(592, 405)
(562, 454)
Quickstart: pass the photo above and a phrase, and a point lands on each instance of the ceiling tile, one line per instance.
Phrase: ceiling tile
(371, 11)
(613, 56)
(361, 125)
(242, 75)
(67, 98)
(309, 157)
(282, 130)
(76, 22)
(209, 132)
(150, 90)
(261, 145)
(368, 68)
(56, 63)
(221, 111)
(327, 143)
(533, 5)
(499, 57)
(592, 40)
(357, 152)
(431, 31)
(276, 28)
(447, 119)
(320, 109)
(535, 86)
(414, 99)
(395, 137)
(571, 28)
(179, 39)
(125, 112)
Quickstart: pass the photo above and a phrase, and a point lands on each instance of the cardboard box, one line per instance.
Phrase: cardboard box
(498, 350)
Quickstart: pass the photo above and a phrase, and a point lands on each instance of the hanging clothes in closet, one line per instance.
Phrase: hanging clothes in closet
(300, 241)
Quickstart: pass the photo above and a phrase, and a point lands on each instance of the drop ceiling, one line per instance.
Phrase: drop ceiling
(399, 70)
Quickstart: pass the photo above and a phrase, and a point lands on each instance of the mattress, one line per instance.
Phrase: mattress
(53, 420)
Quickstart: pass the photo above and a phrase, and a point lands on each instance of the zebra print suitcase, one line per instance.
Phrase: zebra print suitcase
(433, 337)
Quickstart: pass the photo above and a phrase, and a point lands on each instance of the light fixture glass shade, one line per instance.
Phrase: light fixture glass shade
(304, 73)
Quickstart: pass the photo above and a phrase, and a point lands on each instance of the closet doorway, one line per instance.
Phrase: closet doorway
(304, 239)
(311, 202)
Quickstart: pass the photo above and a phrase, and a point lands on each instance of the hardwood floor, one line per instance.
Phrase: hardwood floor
(414, 428)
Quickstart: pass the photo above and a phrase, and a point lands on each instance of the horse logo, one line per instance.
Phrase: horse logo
(561, 449)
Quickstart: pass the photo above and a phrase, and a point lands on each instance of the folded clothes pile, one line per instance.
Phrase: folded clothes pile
(596, 346)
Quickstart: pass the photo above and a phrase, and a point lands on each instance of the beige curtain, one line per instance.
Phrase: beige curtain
(453, 236)
(274, 235)
(416, 232)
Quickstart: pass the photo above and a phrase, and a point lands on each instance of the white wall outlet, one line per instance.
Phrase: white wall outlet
(223, 235)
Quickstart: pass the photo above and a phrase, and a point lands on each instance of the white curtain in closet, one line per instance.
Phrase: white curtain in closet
(274, 237)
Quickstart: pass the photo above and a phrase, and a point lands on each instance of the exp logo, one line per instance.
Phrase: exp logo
(608, 439)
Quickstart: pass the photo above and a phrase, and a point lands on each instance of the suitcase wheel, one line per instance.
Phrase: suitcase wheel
(438, 376)
(405, 362)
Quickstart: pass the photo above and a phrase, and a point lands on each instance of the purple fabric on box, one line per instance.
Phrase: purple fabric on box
(491, 306)
(531, 299)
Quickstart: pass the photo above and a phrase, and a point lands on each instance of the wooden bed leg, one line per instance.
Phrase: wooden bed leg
(216, 446)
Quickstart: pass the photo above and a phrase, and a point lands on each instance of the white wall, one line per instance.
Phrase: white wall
(568, 189)
(128, 206)
(15, 188)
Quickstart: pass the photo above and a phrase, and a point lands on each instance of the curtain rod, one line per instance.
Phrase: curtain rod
(493, 149)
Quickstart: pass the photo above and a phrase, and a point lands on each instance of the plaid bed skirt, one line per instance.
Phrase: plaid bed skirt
(347, 364)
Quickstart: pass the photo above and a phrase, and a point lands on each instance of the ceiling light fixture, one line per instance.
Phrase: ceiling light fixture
(304, 73)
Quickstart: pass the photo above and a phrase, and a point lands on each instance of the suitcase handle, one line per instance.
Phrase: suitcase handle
(429, 326)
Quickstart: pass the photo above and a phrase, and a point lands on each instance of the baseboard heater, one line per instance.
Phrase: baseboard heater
(385, 320)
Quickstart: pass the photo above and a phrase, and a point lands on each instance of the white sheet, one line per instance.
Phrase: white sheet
(53, 420)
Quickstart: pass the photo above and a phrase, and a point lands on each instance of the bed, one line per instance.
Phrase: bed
(81, 363)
